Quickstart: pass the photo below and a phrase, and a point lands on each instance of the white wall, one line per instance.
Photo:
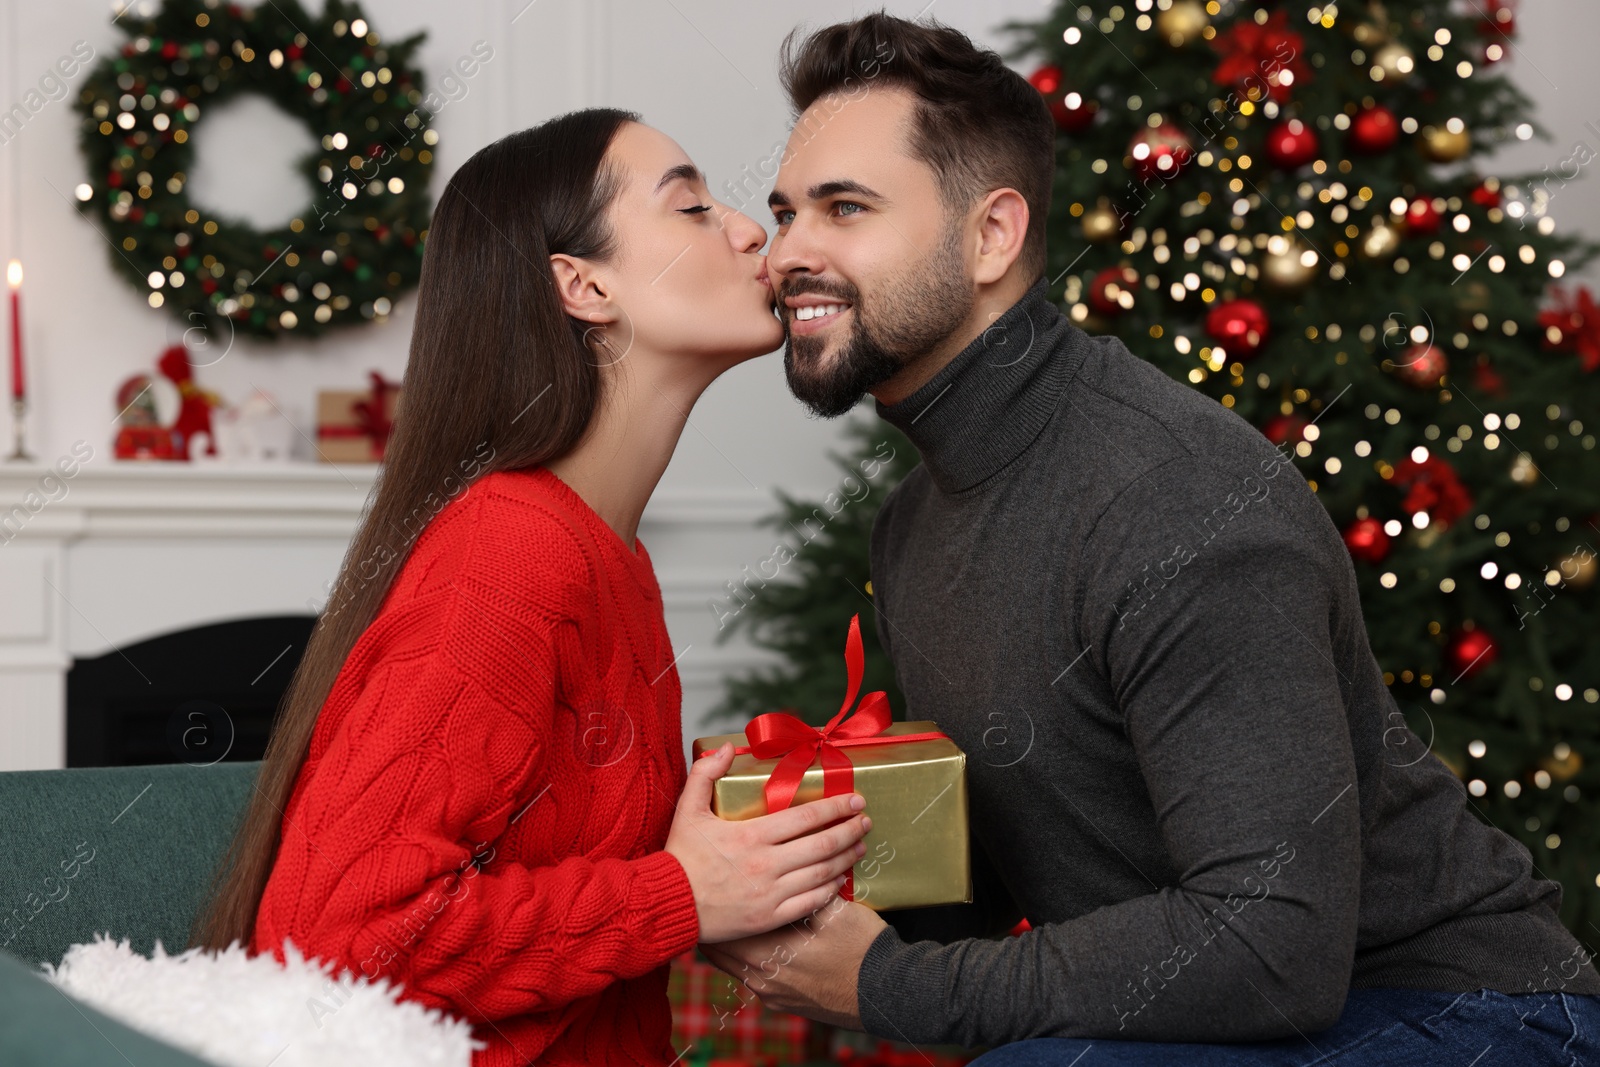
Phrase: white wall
(701, 70)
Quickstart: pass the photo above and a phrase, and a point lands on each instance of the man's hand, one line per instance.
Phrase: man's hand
(807, 968)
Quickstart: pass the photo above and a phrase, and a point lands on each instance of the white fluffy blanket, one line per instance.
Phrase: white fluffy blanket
(242, 1011)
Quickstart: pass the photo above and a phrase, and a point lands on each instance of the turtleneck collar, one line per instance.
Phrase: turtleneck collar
(986, 406)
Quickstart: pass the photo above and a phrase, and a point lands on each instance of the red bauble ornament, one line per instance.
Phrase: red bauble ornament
(1422, 365)
(1070, 110)
(1471, 651)
(1434, 488)
(1488, 380)
(1485, 196)
(1500, 20)
(1285, 429)
(1073, 113)
(1160, 152)
(1422, 217)
(1113, 290)
(1047, 79)
(1366, 540)
(1374, 130)
(1240, 325)
(1292, 144)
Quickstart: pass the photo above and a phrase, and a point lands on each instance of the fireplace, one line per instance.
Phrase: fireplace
(144, 606)
(198, 696)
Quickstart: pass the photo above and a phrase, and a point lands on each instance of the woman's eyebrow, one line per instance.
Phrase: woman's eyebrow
(686, 171)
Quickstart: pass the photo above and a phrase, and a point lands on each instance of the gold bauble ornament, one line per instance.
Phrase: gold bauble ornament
(1289, 266)
(1523, 471)
(1564, 764)
(1476, 298)
(1394, 61)
(1579, 568)
(1439, 144)
(1100, 224)
(1181, 23)
(1368, 34)
(1381, 242)
(1372, 33)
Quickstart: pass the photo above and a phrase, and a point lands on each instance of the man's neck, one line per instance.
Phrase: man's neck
(991, 302)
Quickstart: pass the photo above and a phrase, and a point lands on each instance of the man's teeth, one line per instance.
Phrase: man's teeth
(817, 311)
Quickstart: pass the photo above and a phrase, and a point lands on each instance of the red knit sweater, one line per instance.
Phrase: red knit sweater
(482, 811)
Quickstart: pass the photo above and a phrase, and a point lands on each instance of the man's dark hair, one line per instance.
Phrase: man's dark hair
(977, 123)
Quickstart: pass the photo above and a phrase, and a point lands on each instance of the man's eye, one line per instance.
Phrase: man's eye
(695, 210)
(844, 204)
(782, 217)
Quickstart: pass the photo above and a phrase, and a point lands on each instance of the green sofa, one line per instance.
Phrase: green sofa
(121, 850)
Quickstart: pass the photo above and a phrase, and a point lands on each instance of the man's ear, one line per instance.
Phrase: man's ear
(1002, 229)
(583, 292)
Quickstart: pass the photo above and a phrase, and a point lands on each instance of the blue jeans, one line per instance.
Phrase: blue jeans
(1378, 1027)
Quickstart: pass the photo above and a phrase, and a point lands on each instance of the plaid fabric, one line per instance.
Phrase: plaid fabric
(721, 1022)
(717, 1022)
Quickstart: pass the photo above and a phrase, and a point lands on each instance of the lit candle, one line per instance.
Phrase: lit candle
(14, 280)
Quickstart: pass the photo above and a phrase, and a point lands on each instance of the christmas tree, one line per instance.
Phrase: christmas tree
(797, 601)
(1279, 205)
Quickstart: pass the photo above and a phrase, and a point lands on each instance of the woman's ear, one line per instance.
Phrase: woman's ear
(583, 293)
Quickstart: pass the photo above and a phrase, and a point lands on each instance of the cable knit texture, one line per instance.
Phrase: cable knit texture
(482, 812)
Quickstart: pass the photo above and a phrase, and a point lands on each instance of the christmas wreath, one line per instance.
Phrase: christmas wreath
(350, 253)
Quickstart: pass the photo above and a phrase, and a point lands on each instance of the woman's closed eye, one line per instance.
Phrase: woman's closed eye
(698, 209)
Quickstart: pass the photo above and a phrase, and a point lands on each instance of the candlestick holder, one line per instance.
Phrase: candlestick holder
(19, 413)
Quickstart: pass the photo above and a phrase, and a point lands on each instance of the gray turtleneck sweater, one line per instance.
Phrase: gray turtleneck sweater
(1184, 768)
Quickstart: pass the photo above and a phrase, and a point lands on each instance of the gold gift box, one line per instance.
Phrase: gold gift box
(916, 795)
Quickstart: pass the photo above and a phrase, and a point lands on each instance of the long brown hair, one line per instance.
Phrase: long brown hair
(498, 378)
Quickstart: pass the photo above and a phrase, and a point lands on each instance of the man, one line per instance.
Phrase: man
(1139, 622)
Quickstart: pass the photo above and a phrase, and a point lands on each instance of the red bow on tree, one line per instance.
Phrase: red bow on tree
(1576, 322)
(1434, 489)
(1254, 53)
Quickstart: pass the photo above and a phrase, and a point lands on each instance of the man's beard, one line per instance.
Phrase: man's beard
(909, 315)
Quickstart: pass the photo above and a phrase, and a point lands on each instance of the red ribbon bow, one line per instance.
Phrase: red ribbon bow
(796, 744)
(372, 414)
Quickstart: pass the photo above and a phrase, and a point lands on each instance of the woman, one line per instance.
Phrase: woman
(473, 788)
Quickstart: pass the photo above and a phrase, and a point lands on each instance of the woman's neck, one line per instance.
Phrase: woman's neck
(630, 440)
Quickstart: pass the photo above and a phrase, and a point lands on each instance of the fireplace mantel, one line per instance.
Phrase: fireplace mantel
(124, 551)
(135, 499)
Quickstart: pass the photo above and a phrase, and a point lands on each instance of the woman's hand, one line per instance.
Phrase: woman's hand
(755, 875)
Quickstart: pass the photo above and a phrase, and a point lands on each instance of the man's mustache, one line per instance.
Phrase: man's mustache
(845, 295)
